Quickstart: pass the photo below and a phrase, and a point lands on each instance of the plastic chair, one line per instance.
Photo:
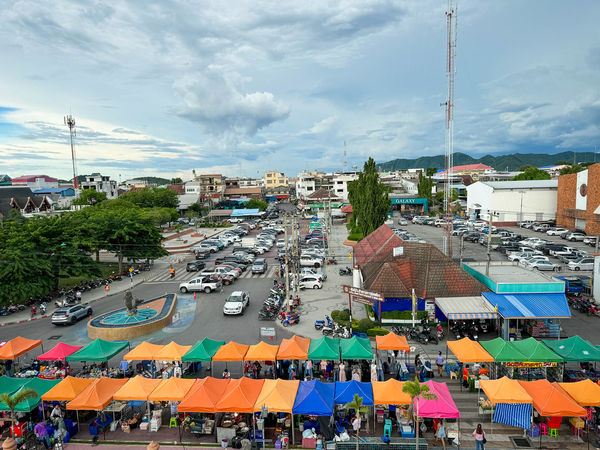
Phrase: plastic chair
(173, 422)
(543, 429)
(554, 432)
(387, 429)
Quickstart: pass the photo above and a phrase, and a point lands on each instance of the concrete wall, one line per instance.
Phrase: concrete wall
(574, 209)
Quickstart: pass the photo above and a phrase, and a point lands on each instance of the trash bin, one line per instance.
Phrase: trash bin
(224, 443)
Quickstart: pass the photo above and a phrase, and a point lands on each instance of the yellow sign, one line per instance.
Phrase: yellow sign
(530, 365)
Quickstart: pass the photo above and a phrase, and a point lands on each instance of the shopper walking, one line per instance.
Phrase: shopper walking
(439, 361)
(480, 439)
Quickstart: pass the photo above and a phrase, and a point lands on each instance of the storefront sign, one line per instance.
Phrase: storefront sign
(530, 365)
(356, 292)
(364, 301)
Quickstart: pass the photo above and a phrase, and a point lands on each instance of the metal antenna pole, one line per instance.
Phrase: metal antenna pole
(70, 122)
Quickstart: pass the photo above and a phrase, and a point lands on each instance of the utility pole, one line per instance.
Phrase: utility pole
(287, 265)
(489, 245)
(294, 258)
(462, 248)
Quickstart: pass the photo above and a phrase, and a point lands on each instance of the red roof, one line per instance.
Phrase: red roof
(477, 166)
(347, 208)
(32, 178)
(377, 246)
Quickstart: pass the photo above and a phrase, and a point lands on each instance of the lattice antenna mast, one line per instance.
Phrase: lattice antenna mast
(70, 122)
(345, 158)
(450, 72)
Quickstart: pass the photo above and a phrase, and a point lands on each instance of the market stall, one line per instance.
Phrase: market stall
(314, 398)
(59, 352)
(172, 352)
(356, 348)
(388, 396)
(262, 352)
(59, 368)
(137, 389)
(503, 352)
(392, 341)
(278, 396)
(294, 348)
(200, 405)
(67, 389)
(508, 402)
(143, 352)
(171, 390)
(540, 362)
(586, 394)
(17, 347)
(98, 350)
(232, 351)
(203, 350)
(324, 348)
(576, 349)
(459, 309)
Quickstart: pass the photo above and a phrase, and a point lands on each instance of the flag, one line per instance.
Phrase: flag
(414, 305)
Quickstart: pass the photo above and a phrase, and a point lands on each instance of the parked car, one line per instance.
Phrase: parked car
(575, 236)
(195, 266)
(236, 303)
(68, 315)
(544, 265)
(532, 259)
(311, 282)
(311, 261)
(591, 240)
(582, 264)
(206, 284)
(202, 254)
(206, 246)
(555, 231)
(402, 222)
(520, 255)
(259, 266)
(308, 271)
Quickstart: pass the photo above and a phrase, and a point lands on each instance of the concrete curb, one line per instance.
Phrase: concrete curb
(23, 321)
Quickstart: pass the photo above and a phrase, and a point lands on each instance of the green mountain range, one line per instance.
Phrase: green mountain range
(501, 162)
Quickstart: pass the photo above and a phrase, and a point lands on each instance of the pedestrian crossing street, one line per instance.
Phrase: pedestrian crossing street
(182, 275)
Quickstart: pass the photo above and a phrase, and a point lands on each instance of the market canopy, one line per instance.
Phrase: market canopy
(17, 347)
(536, 351)
(324, 348)
(389, 393)
(314, 398)
(574, 349)
(344, 392)
(294, 348)
(143, 352)
(98, 350)
(467, 350)
(39, 385)
(443, 407)
(204, 395)
(172, 389)
(68, 388)
(262, 352)
(505, 390)
(530, 306)
(172, 352)
(97, 395)
(503, 351)
(59, 352)
(278, 395)
(392, 341)
(137, 388)
(549, 401)
(585, 393)
(203, 350)
(232, 351)
(356, 348)
(240, 395)
(9, 385)
(466, 308)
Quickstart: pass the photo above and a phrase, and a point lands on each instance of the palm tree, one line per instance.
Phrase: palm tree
(356, 404)
(12, 401)
(416, 389)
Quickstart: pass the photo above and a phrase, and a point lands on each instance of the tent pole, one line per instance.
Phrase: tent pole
(43, 411)
(293, 439)
(275, 373)
(78, 424)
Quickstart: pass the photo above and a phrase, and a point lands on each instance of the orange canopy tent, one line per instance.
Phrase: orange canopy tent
(278, 395)
(467, 350)
(137, 389)
(172, 352)
(17, 347)
(392, 341)
(143, 352)
(585, 393)
(505, 390)
(294, 348)
(389, 393)
(232, 351)
(204, 395)
(550, 401)
(240, 395)
(69, 388)
(262, 352)
(171, 389)
(97, 395)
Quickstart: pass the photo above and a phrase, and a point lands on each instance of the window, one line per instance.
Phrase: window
(309, 188)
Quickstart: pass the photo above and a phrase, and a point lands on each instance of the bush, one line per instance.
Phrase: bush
(403, 315)
(377, 331)
(364, 325)
(355, 236)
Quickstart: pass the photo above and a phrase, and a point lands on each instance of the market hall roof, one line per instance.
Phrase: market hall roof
(377, 246)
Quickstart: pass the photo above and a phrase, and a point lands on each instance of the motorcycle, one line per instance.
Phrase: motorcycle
(345, 271)
(43, 309)
(33, 311)
(320, 324)
(290, 319)
(440, 332)
(594, 310)
(342, 333)
(331, 261)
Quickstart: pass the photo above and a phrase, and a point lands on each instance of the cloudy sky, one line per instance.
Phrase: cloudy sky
(163, 87)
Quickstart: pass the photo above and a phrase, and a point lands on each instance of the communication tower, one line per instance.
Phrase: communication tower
(70, 122)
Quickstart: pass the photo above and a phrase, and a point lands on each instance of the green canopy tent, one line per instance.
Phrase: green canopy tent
(503, 351)
(203, 350)
(9, 385)
(574, 349)
(324, 348)
(39, 385)
(536, 351)
(98, 350)
(356, 348)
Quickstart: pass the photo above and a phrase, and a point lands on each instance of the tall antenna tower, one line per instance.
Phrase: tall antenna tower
(450, 71)
(345, 158)
(70, 122)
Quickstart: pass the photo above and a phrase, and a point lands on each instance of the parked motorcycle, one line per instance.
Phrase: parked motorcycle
(331, 261)
(594, 310)
(290, 319)
(345, 271)
(320, 324)
(43, 309)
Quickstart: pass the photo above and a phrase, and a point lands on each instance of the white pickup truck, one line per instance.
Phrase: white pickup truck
(205, 284)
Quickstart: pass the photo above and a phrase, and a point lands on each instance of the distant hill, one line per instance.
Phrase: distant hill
(501, 162)
(154, 180)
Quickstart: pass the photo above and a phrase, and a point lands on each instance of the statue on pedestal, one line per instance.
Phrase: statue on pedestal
(131, 303)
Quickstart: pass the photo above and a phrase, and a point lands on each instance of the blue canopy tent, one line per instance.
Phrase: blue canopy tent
(345, 390)
(314, 398)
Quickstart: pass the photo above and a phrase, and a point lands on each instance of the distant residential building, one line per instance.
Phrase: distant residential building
(578, 202)
(35, 182)
(340, 184)
(100, 183)
(307, 183)
(179, 188)
(61, 197)
(251, 192)
(137, 184)
(211, 184)
(554, 171)
(22, 199)
(242, 182)
(5, 180)
(274, 179)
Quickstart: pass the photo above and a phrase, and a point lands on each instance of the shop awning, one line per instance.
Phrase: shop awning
(505, 390)
(467, 351)
(294, 348)
(344, 392)
(356, 348)
(97, 395)
(324, 348)
(172, 389)
(143, 352)
(172, 352)
(204, 395)
(10, 384)
(389, 393)
(530, 306)
(443, 407)
(392, 341)
(536, 351)
(232, 351)
(278, 395)
(240, 395)
(262, 352)
(17, 347)
(585, 393)
(550, 401)
(98, 350)
(137, 388)
(59, 352)
(503, 351)
(203, 350)
(314, 398)
(466, 308)
(39, 385)
(68, 388)
(574, 349)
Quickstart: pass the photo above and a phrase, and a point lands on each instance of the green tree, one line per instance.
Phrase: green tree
(369, 199)
(356, 405)
(176, 180)
(12, 401)
(151, 198)
(255, 203)
(417, 390)
(431, 171)
(532, 173)
(425, 186)
(571, 169)
(160, 216)
(90, 197)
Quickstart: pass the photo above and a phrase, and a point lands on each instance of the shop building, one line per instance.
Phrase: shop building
(578, 201)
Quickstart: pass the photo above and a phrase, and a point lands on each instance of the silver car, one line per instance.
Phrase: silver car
(68, 315)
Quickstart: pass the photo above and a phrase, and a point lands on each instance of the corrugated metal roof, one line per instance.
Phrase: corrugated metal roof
(522, 184)
(466, 308)
(529, 306)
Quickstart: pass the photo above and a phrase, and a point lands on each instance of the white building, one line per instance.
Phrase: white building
(513, 201)
(192, 187)
(340, 184)
(306, 184)
(101, 184)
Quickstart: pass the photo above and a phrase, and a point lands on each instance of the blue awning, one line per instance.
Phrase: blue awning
(244, 212)
(345, 390)
(514, 414)
(465, 308)
(314, 398)
(530, 306)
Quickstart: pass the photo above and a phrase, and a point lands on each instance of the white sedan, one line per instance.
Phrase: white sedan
(556, 231)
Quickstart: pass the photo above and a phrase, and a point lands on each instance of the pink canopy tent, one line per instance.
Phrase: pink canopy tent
(59, 352)
(443, 407)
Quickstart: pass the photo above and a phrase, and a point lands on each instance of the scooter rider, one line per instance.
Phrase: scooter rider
(78, 296)
(172, 272)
